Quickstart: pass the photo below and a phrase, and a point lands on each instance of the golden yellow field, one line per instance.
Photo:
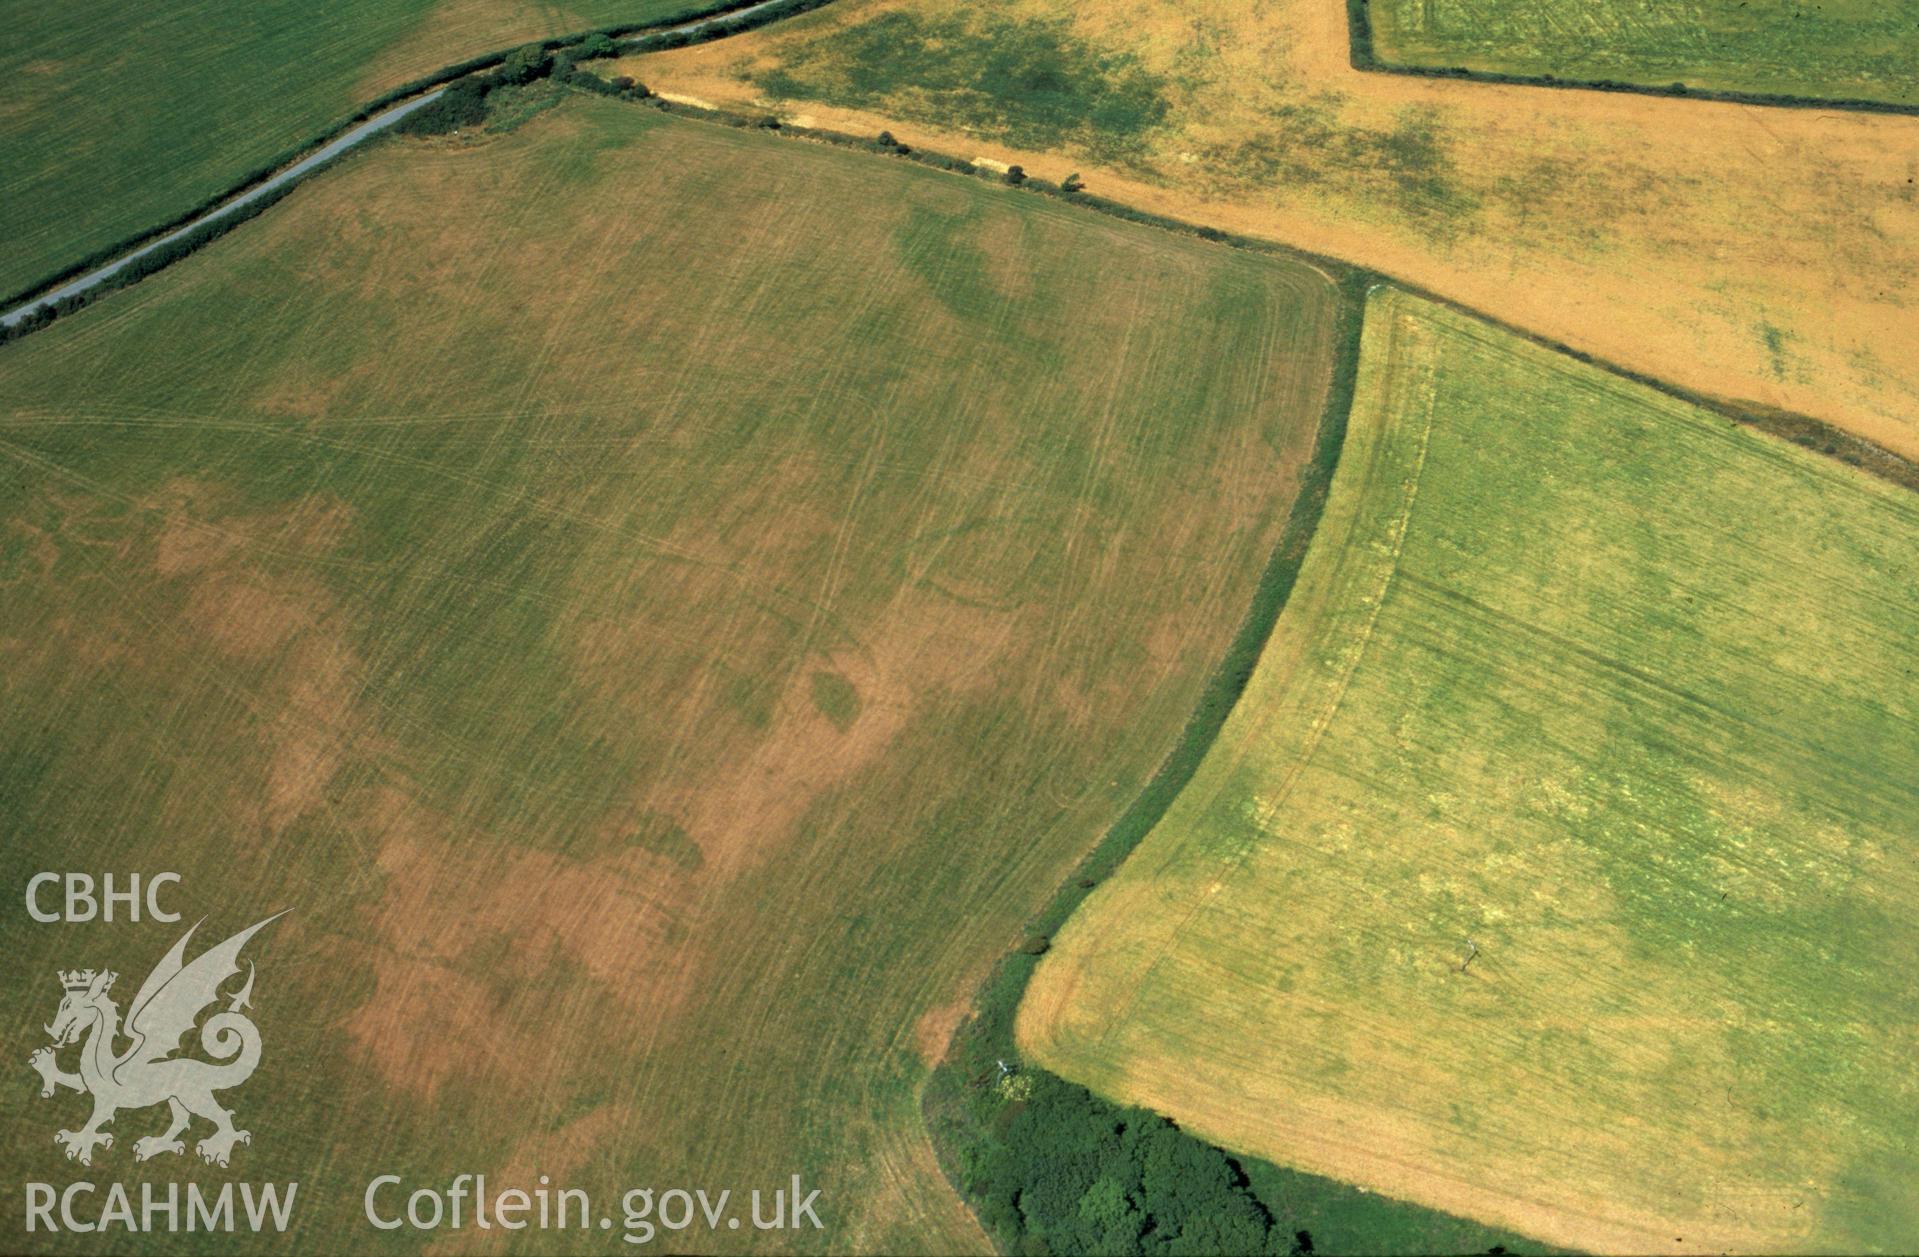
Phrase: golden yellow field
(1554, 868)
(1763, 254)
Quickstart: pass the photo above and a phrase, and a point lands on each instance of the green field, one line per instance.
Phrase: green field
(1555, 868)
(660, 603)
(117, 118)
(1840, 49)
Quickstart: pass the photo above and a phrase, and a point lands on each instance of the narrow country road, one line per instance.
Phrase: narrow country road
(305, 166)
(325, 153)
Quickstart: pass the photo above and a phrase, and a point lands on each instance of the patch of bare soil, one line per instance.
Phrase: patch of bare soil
(483, 956)
(742, 806)
(933, 1032)
(250, 609)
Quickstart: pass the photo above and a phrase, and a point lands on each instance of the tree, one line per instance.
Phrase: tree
(1016, 175)
(594, 46)
(1073, 183)
(524, 64)
(461, 105)
(1105, 1207)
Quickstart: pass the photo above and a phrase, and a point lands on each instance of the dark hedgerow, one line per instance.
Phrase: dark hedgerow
(461, 106)
(623, 86)
(1856, 451)
(594, 47)
(1020, 1143)
(146, 264)
(1048, 1166)
(523, 65)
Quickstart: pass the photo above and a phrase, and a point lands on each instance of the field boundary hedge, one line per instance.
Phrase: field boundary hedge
(986, 1033)
(1801, 430)
(985, 1036)
(393, 96)
(1365, 56)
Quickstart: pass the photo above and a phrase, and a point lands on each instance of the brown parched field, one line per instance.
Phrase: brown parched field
(659, 604)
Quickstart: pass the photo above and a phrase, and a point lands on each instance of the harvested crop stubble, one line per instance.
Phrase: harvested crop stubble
(1758, 254)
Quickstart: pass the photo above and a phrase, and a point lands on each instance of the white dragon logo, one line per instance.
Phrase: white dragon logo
(169, 1003)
